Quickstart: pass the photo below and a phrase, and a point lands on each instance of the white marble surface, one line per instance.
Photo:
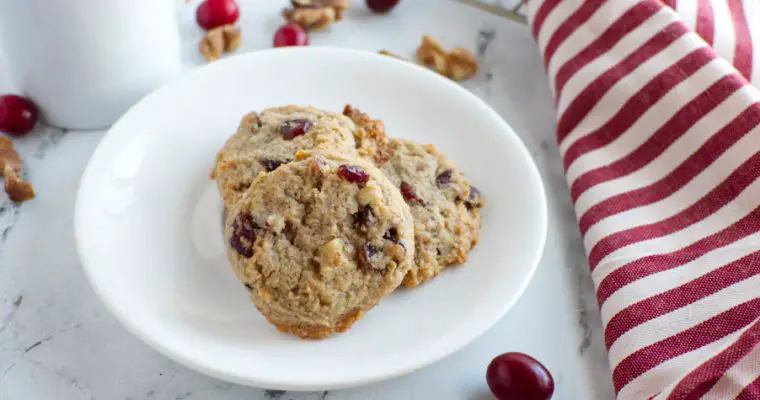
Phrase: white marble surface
(58, 342)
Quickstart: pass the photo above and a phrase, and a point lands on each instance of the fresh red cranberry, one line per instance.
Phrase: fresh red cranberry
(213, 13)
(18, 115)
(353, 174)
(381, 6)
(294, 127)
(291, 35)
(410, 195)
(519, 376)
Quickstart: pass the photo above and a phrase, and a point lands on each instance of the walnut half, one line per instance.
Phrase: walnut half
(458, 64)
(222, 39)
(310, 18)
(10, 167)
(315, 15)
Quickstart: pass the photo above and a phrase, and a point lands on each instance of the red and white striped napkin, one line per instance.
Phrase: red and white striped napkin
(659, 129)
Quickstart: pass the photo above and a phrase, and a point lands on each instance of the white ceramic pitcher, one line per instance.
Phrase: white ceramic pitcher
(84, 62)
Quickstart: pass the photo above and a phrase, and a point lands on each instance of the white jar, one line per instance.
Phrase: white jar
(85, 62)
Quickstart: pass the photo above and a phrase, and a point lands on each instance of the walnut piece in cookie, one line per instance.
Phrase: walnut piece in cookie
(223, 39)
(371, 141)
(11, 167)
(458, 64)
(315, 15)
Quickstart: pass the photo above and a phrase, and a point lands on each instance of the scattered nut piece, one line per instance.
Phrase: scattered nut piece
(315, 14)
(340, 7)
(11, 167)
(310, 18)
(458, 64)
(231, 38)
(225, 38)
(462, 64)
(432, 54)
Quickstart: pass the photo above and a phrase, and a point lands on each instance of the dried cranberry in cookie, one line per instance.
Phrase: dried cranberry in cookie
(294, 127)
(352, 173)
(445, 207)
(410, 195)
(243, 234)
(320, 241)
(444, 178)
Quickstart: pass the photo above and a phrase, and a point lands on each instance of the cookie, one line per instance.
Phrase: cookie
(320, 241)
(265, 141)
(445, 207)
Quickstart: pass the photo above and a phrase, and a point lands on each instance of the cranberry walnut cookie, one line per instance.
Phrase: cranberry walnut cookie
(320, 241)
(266, 140)
(445, 207)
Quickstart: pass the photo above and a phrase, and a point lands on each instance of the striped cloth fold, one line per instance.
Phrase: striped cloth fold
(659, 129)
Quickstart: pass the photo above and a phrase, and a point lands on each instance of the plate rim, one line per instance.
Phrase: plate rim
(440, 353)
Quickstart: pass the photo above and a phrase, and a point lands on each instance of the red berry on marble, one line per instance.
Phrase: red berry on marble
(213, 13)
(519, 376)
(381, 6)
(18, 115)
(291, 35)
(353, 174)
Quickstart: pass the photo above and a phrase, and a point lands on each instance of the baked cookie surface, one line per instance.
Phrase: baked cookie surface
(445, 207)
(320, 241)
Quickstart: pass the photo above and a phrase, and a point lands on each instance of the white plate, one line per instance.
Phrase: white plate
(149, 236)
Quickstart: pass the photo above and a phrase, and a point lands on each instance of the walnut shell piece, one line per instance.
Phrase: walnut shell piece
(10, 167)
(458, 64)
(311, 18)
(315, 15)
(222, 39)
(462, 64)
